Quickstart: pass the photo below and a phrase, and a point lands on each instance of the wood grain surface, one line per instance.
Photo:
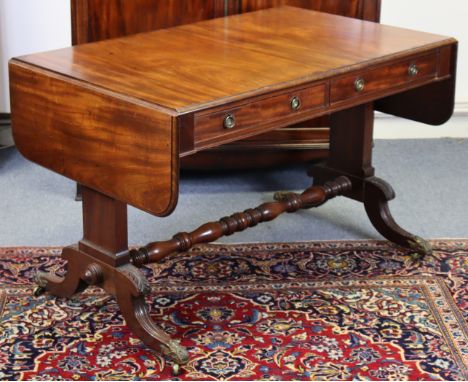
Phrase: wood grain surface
(254, 115)
(115, 145)
(111, 114)
(360, 9)
(383, 77)
(95, 20)
(195, 66)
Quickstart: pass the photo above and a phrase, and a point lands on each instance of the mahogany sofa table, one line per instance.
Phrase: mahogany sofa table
(117, 115)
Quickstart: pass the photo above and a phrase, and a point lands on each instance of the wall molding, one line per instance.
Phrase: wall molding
(391, 127)
(6, 139)
(461, 109)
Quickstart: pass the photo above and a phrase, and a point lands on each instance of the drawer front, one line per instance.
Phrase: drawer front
(383, 78)
(241, 119)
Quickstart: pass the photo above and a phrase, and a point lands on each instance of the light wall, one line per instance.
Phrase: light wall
(28, 26)
(447, 17)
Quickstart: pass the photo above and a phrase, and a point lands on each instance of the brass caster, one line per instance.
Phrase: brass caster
(176, 370)
(279, 196)
(38, 291)
(421, 248)
(417, 257)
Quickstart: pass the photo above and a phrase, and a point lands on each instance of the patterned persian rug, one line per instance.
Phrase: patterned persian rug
(302, 311)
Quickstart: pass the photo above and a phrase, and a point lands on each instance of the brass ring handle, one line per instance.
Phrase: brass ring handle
(295, 103)
(413, 70)
(229, 121)
(359, 84)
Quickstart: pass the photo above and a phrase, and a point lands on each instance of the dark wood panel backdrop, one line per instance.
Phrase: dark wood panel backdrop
(361, 9)
(94, 20)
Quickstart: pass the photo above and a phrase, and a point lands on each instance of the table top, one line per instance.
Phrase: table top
(201, 65)
(116, 115)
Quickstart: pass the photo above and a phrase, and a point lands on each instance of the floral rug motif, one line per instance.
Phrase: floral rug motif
(299, 311)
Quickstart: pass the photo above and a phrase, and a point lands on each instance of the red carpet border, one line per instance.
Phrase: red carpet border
(297, 311)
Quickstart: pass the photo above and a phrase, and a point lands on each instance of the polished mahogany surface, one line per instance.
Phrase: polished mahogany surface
(360, 9)
(94, 20)
(203, 64)
(117, 115)
(118, 145)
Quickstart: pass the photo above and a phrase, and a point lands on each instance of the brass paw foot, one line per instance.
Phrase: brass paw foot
(176, 370)
(39, 291)
(74, 281)
(58, 286)
(176, 353)
(41, 279)
(421, 247)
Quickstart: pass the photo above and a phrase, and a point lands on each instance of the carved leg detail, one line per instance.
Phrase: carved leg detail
(376, 197)
(62, 286)
(101, 259)
(131, 288)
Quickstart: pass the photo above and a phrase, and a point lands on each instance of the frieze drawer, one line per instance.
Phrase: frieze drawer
(383, 78)
(241, 119)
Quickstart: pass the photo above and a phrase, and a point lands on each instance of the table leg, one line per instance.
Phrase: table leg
(351, 140)
(102, 258)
